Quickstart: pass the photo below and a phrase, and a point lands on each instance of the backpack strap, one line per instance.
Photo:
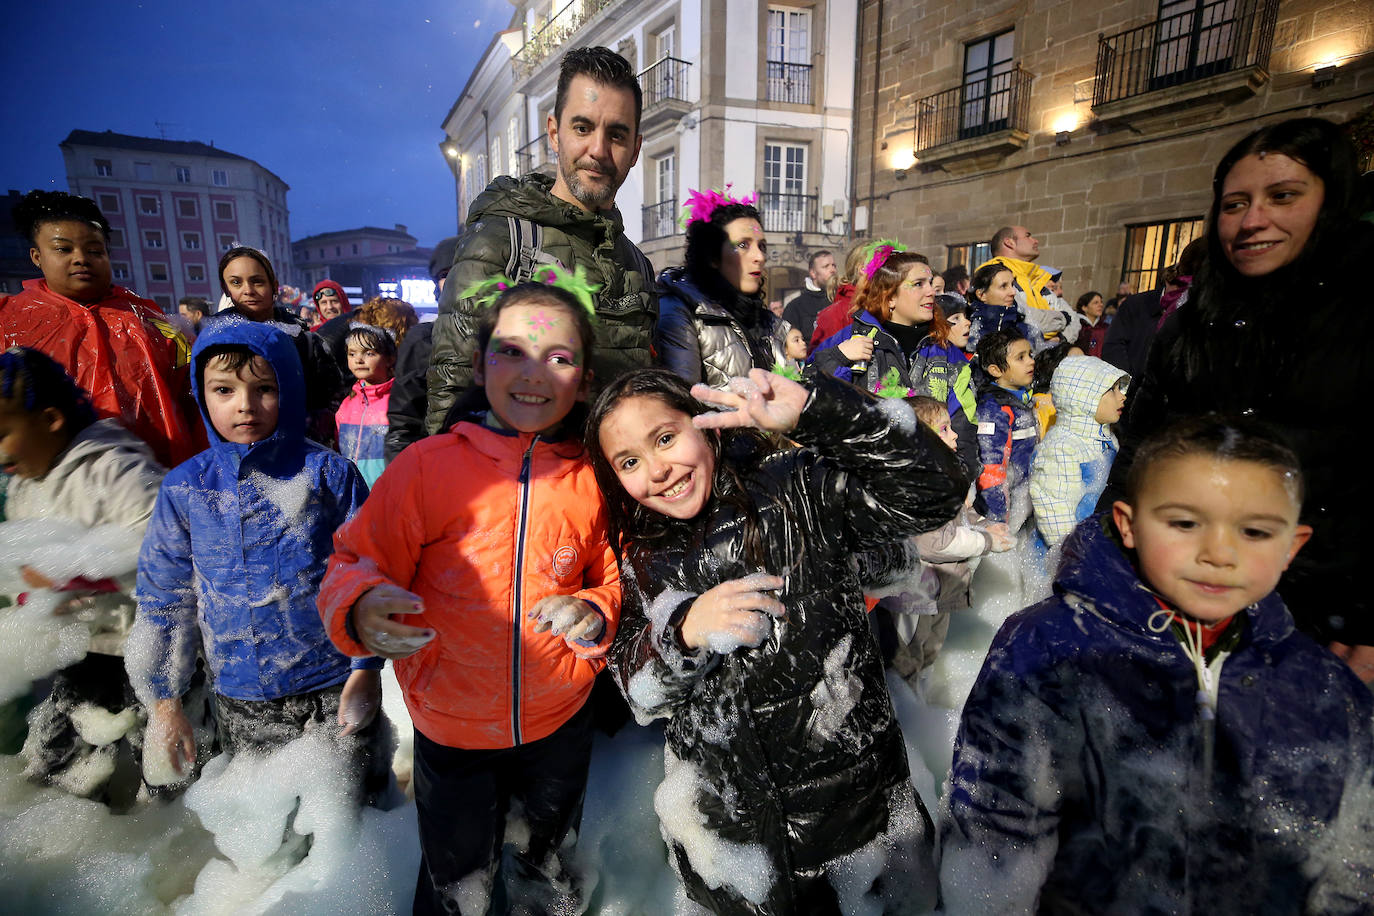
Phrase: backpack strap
(526, 248)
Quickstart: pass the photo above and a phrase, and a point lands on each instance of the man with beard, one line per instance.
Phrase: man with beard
(519, 224)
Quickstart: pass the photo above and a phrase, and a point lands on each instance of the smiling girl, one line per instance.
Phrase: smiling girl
(115, 344)
(481, 564)
(786, 787)
(714, 321)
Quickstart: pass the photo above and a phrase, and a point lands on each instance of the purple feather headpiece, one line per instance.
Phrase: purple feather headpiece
(878, 255)
(701, 204)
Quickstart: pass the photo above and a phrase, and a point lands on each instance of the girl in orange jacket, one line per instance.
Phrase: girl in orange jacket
(481, 564)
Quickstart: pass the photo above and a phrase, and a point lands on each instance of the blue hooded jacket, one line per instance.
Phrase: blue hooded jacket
(237, 547)
(1088, 777)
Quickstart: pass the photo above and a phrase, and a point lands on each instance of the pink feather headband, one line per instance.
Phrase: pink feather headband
(881, 251)
(701, 204)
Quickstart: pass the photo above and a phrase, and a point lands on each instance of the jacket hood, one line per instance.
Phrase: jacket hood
(531, 198)
(267, 340)
(1079, 383)
(339, 290)
(1095, 567)
(100, 436)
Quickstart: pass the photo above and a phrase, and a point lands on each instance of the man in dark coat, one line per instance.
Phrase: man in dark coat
(801, 312)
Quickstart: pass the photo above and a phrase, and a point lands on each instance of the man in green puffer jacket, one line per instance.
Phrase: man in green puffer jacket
(516, 224)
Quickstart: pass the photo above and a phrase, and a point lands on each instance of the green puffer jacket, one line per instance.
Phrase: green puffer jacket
(626, 304)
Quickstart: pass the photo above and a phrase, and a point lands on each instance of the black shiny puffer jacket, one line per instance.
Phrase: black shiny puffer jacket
(791, 745)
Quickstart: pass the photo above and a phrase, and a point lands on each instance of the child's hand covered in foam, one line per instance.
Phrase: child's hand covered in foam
(733, 614)
(764, 400)
(569, 617)
(378, 632)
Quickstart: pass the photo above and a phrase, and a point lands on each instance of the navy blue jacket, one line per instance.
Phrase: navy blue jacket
(236, 549)
(1085, 774)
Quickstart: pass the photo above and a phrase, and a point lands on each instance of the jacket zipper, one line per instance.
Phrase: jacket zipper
(517, 586)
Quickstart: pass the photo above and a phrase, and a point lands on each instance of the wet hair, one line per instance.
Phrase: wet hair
(372, 338)
(243, 251)
(928, 410)
(992, 348)
(735, 450)
(31, 381)
(954, 276)
(602, 66)
(875, 293)
(394, 315)
(39, 207)
(1046, 361)
(705, 240)
(1228, 438)
(230, 358)
(983, 277)
(1084, 299)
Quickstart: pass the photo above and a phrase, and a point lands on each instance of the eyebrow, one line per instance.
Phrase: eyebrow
(1257, 517)
(613, 125)
(653, 434)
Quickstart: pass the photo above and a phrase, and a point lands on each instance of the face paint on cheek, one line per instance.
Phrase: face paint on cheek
(491, 359)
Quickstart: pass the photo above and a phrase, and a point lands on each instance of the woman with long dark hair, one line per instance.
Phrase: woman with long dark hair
(1283, 237)
(713, 317)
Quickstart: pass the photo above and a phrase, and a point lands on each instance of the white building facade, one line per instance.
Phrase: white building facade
(751, 93)
(174, 207)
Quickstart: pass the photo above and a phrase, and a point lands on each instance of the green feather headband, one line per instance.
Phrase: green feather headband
(574, 282)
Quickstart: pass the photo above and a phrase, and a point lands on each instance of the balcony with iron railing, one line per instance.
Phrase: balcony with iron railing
(1216, 54)
(553, 33)
(660, 220)
(788, 82)
(965, 127)
(784, 212)
(665, 86)
(535, 156)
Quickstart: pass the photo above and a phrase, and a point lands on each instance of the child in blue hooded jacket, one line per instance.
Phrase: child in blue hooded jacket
(232, 563)
(1157, 737)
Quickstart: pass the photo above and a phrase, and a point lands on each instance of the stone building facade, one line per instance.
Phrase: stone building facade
(755, 93)
(366, 262)
(1094, 123)
(174, 206)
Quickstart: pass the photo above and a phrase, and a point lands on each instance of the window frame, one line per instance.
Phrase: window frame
(195, 208)
(224, 203)
(148, 235)
(1168, 245)
(108, 197)
(104, 168)
(182, 173)
(186, 238)
(166, 273)
(969, 254)
(119, 270)
(990, 110)
(195, 266)
(219, 178)
(143, 199)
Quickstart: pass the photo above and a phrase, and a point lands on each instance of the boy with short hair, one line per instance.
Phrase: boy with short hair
(1007, 429)
(1157, 737)
(1071, 465)
(236, 549)
(69, 466)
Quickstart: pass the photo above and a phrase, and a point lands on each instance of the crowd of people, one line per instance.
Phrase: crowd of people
(586, 485)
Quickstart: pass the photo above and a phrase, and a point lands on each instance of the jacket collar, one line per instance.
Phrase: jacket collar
(509, 447)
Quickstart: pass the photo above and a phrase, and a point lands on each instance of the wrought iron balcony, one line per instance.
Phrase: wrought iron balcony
(988, 106)
(1221, 37)
(788, 212)
(533, 154)
(660, 220)
(664, 81)
(789, 82)
(555, 32)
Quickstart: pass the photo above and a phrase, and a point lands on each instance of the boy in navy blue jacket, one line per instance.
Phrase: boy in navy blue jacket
(232, 563)
(1157, 738)
(1007, 428)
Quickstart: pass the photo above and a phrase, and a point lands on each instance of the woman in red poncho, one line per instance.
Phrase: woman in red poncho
(117, 345)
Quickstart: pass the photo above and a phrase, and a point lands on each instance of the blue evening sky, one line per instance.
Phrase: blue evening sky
(343, 100)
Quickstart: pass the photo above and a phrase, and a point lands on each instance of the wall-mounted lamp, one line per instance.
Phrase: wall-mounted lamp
(1323, 76)
(451, 150)
(901, 174)
(1061, 138)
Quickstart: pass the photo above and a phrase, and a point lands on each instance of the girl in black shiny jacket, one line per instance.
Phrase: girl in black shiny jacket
(786, 787)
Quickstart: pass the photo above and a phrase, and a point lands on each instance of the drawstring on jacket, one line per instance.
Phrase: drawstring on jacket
(1208, 675)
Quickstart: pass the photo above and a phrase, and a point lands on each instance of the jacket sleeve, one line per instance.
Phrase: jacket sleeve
(160, 653)
(656, 673)
(1056, 487)
(952, 543)
(1016, 746)
(828, 359)
(380, 544)
(994, 452)
(405, 413)
(1116, 347)
(353, 494)
(1345, 860)
(881, 475)
(675, 339)
(481, 253)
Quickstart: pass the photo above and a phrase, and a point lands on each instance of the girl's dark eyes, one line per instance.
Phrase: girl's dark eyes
(628, 464)
(665, 439)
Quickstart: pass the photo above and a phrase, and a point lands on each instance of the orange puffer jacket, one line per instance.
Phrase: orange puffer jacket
(482, 524)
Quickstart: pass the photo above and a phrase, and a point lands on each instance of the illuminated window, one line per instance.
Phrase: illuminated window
(969, 255)
(1152, 247)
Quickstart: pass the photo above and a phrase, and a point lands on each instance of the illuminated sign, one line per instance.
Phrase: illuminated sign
(415, 290)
